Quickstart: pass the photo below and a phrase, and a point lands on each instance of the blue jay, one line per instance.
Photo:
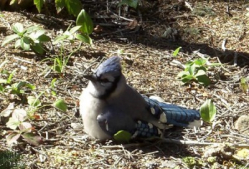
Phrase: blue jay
(108, 104)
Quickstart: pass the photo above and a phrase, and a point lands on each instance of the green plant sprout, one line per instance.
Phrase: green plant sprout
(4, 82)
(60, 63)
(52, 86)
(73, 6)
(85, 21)
(84, 25)
(21, 128)
(31, 38)
(208, 111)
(196, 70)
(131, 3)
(244, 84)
(19, 120)
(175, 53)
(68, 35)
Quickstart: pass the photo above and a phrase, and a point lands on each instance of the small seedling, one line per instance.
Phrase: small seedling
(122, 136)
(196, 70)
(131, 3)
(19, 88)
(52, 85)
(175, 53)
(86, 27)
(68, 35)
(31, 38)
(34, 106)
(60, 105)
(208, 111)
(244, 84)
(73, 6)
(7, 81)
(21, 128)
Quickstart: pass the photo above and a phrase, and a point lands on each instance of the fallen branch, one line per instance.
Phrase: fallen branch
(174, 141)
(196, 143)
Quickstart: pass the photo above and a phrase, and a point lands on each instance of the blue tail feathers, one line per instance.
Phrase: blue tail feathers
(173, 114)
(168, 114)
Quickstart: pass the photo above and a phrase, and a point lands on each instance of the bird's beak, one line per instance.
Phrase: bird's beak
(92, 77)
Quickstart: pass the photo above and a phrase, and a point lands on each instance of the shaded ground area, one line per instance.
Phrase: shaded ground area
(147, 44)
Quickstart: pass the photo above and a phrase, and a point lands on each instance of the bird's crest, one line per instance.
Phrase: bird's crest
(111, 65)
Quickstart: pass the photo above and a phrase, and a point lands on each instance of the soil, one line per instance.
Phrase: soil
(145, 39)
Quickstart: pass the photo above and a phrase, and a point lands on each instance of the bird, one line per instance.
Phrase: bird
(108, 105)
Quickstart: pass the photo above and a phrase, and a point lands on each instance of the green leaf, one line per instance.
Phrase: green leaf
(84, 20)
(84, 38)
(25, 84)
(243, 84)
(38, 4)
(19, 114)
(13, 2)
(69, 35)
(208, 111)
(16, 87)
(203, 79)
(33, 101)
(1, 88)
(200, 73)
(53, 83)
(17, 28)
(33, 29)
(131, 3)
(53, 93)
(37, 47)
(13, 123)
(9, 38)
(192, 70)
(25, 43)
(25, 127)
(122, 136)
(18, 43)
(183, 73)
(59, 4)
(58, 65)
(37, 34)
(60, 39)
(73, 6)
(44, 38)
(74, 29)
(30, 86)
(60, 105)
(200, 62)
(32, 138)
(187, 78)
(10, 77)
(175, 53)
(12, 137)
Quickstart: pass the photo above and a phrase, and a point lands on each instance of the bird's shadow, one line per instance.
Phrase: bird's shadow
(161, 147)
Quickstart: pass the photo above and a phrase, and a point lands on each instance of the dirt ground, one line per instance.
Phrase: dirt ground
(146, 45)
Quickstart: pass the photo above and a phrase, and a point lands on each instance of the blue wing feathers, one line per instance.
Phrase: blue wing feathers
(176, 115)
(168, 114)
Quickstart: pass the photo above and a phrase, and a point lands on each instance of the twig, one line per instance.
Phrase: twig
(124, 146)
(196, 143)
(174, 141)
(121, 17)
(22, 60)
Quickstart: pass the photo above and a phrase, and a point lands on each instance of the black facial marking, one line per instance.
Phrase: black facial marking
(110, 90)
